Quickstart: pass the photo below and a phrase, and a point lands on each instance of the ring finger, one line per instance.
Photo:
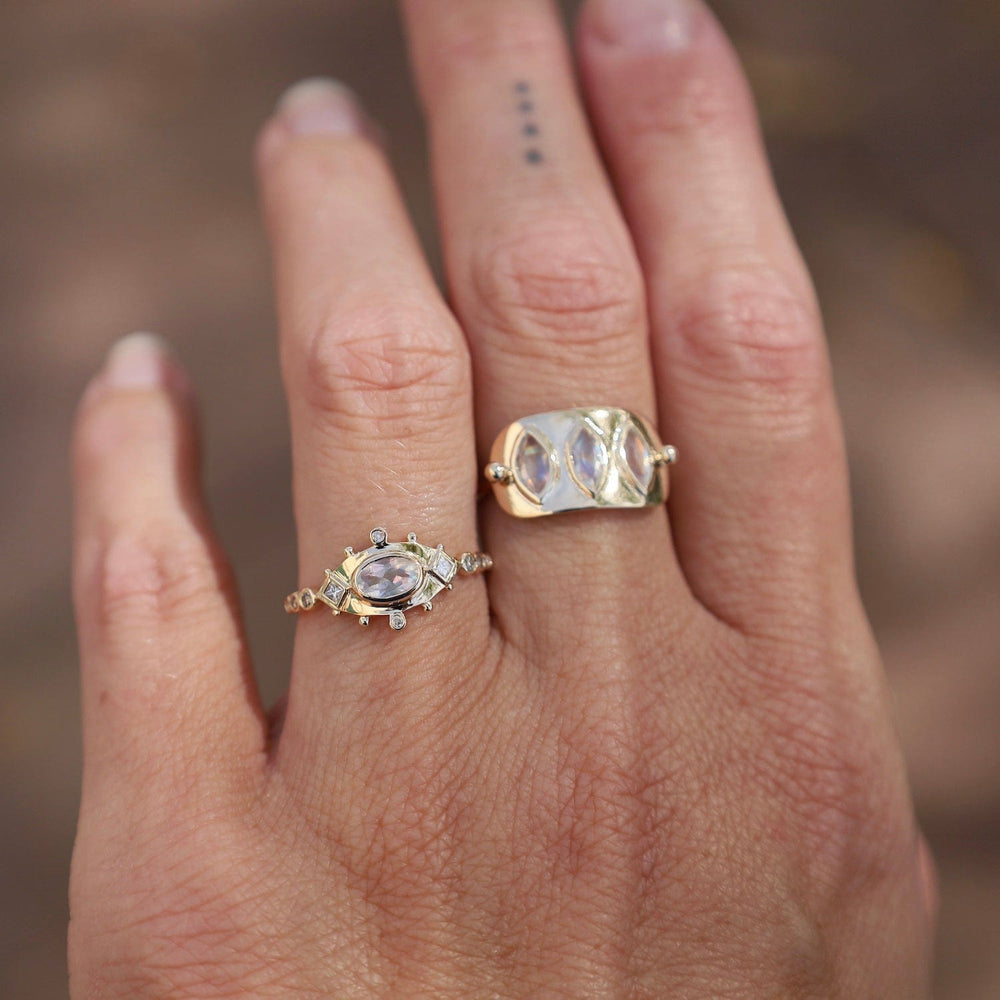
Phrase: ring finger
(379, 390)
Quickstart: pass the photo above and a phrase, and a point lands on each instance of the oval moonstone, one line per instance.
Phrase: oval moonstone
(533, 465)
(588, 458)
(638, 458)
(388, 578)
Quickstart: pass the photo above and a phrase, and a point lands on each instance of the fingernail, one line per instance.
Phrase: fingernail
(656, 25)
(138, 361)
(321, 107)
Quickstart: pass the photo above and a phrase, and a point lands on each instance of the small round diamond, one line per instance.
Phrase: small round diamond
(397, 620)
(378, 536)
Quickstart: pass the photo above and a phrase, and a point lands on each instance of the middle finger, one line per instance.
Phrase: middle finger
(542, 272)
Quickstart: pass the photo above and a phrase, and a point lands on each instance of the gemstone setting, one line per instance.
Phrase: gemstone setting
(389, 578)
(587, 458)
(443, 566)
(638, 457)
(334, 591)
(534, 466)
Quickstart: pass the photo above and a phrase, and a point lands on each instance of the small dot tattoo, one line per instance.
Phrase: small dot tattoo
(529, 129)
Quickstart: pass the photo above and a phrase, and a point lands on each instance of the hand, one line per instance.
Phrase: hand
(651, 754)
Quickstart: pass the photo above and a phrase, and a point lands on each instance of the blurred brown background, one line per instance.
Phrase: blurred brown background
(127, 203)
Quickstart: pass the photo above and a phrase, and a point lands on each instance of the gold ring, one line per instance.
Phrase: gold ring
(389, 578)
(579, 459)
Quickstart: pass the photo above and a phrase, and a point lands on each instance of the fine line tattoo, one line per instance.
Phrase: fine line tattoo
(529, 129)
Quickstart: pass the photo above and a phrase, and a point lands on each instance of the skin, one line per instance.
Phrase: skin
(651, 754)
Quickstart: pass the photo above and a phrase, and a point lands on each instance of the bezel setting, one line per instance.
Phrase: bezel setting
(413, 574)
(582, 475)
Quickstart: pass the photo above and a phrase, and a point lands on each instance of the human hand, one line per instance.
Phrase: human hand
(641, 759)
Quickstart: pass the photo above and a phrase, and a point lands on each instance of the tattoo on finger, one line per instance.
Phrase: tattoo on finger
(529, 127)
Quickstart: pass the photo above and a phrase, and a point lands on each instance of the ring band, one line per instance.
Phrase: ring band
(388, 578)
(579, 459)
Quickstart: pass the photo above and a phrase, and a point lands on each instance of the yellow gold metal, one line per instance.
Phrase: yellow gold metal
(579, 459)
(414, 574)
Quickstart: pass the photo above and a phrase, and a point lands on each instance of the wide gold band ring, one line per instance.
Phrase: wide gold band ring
(389, 578)
(579, 459)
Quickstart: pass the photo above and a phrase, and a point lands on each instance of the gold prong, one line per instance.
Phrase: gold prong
(499, 474)
(668, 456)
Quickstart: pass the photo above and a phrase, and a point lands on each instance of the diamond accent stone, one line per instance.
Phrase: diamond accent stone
(333, 592)
(533, 465)
(378, 536)
(444, 566)
(388, 578)
(588, 458)
(397, 620)
(638, 457)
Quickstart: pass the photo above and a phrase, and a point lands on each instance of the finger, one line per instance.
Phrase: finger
(167, 691)
(541, 267)
(378, 383)
(739, 355)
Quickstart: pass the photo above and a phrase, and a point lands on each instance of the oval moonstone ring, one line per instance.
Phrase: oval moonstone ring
(579, 459)
(388, 578)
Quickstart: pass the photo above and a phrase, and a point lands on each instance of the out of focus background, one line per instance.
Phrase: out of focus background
(127, 202)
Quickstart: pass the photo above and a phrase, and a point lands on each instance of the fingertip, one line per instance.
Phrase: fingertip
(138, 362)
(651, 26)
(316, 108)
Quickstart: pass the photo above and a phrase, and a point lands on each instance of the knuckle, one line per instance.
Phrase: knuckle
(560, 283)
(751, 329)
(392, 364)
(152, 576)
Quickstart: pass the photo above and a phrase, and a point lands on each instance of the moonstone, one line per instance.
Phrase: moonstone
(533, 465)
(588, 458)
(638, 458)
(388, 578)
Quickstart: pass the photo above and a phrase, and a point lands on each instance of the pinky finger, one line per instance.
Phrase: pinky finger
(167, 691)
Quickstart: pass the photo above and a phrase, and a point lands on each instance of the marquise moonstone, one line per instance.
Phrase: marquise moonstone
(587, 456)
(637, 456)
(533, 465)
(388, 578)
